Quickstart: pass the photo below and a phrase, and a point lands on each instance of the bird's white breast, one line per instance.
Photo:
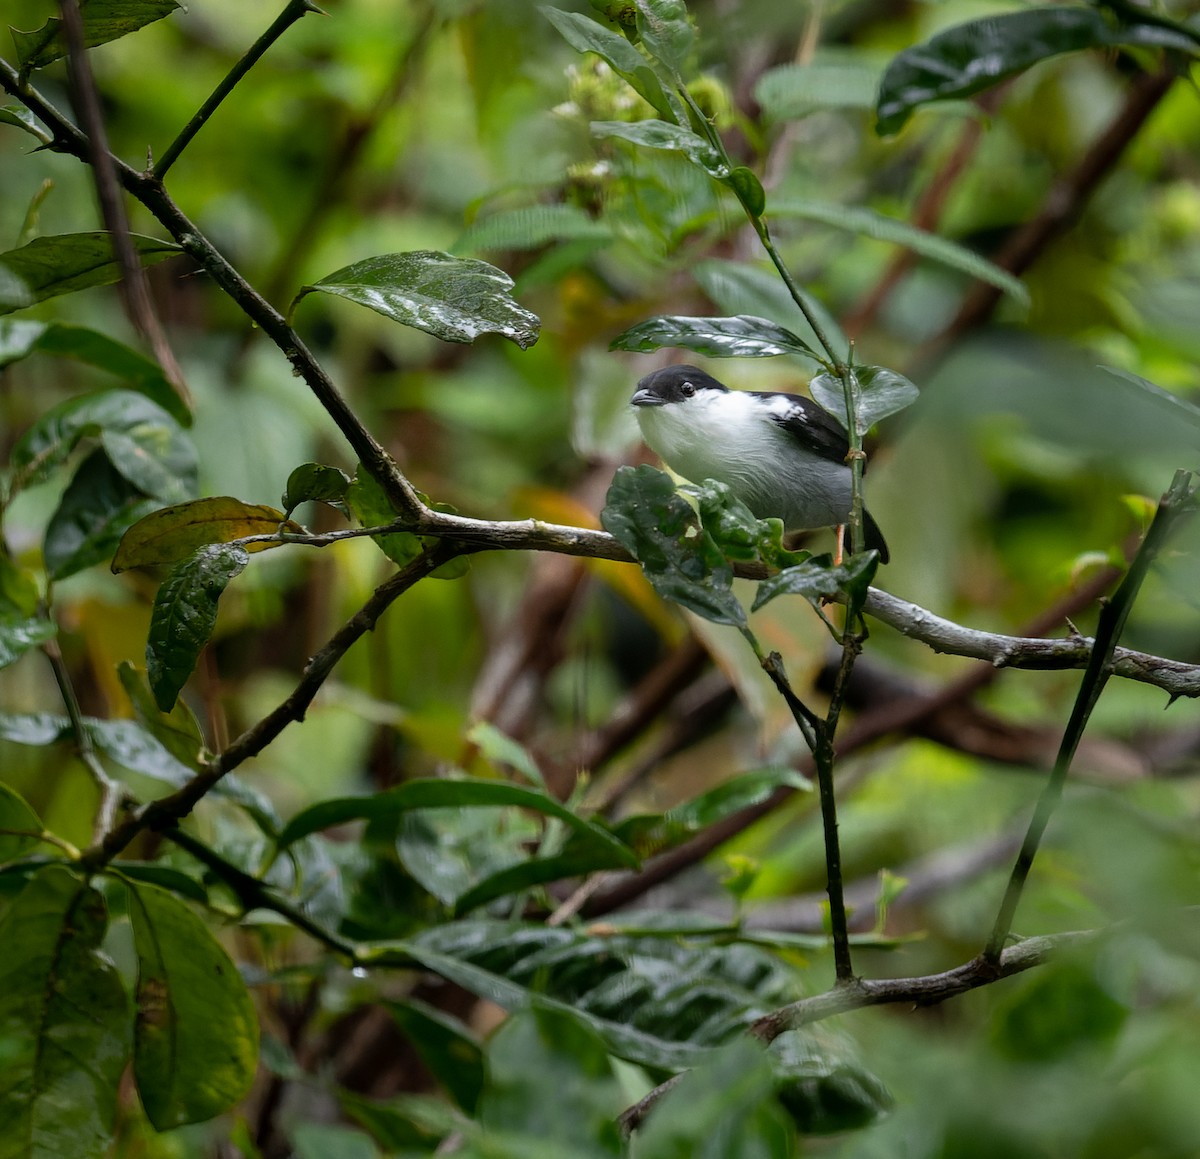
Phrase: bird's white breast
(730, 437)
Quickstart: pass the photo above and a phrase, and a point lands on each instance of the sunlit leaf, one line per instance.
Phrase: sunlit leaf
(970, 57)
(743, 336)
(64, 1022)
(196, 1038)
(64, 263)
(878, 393)
(454, 299)
(103, 20)
(171, 534)
(662, 531)
(184, 615)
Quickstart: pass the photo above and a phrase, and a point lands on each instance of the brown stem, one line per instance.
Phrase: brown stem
(135, 293)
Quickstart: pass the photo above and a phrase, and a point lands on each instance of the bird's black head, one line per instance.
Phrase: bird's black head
(673, 384)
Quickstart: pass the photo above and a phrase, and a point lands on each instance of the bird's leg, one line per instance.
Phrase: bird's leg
(841, 540)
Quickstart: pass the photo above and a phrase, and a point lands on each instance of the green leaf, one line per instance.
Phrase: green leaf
(96, 509)
(184, 615)
(654, 134)
(33, 728)
(64, 263)
(724, 1107)
(585, 35)
(823, 1085)
(666, 32)
(177, 731)
(124, 741)
(19, 594)
(818, 580)
(624, 1041)
(103, 20)
(550, 1078)
(15, 813)
(133, 747)
(792, 90)
(868, 223)
(172, 534)
(662, 531)
(500, 748)
(661, 1001)
(1060, 1011)
(436, 793)
(746, 185)
(583, 856)
(970, 57)
(533, 226)
(64, 1023)
(742, 336)
(20, 338)
(735, 794)
(739, 288)
(404, 1124)
(315, 482)
(18, 634)
(143, 442)
(369, 504)
(22, 118)
(165, 877)
(196, 1037)
(454, 299)
(878, 393)
(448, 1049)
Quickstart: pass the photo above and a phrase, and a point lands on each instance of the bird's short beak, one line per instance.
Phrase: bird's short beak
(645, 397)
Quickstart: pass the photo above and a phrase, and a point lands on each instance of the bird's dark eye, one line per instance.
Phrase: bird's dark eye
(687, 389)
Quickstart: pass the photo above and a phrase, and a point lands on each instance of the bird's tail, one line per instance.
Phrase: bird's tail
(874, 538)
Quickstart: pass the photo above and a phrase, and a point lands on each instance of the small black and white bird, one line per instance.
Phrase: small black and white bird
(780, 454)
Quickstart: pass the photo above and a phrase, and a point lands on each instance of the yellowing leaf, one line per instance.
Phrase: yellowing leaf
(173, 533)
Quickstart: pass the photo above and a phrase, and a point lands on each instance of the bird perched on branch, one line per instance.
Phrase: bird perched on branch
(780, 454)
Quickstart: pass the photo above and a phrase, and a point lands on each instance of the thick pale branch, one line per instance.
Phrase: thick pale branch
(1172, 676)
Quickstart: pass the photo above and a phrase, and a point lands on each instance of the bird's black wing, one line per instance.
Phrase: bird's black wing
(816, 430)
